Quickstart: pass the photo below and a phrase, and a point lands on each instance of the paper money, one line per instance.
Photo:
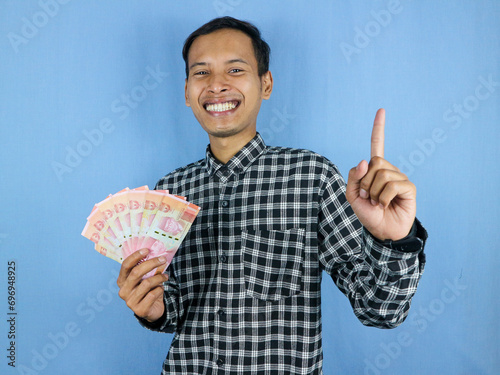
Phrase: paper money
(98, 231)
(136, 200)
(131, 220)
(152, 202)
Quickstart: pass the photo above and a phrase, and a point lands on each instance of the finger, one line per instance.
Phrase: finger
(402, 190)
(161, 269)
(144, 288)
(377, 143)
(376, 164)
(137, 273)
(354, 179)
(129, 263)
(143, 308)
(382, 178)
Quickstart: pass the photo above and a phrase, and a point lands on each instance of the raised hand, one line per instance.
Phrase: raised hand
(382, 197)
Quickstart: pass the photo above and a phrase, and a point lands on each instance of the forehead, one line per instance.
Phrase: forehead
(222, 44)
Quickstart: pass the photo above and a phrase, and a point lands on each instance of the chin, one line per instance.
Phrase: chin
(223, 133)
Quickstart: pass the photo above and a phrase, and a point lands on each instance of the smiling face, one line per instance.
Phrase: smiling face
(223, 87)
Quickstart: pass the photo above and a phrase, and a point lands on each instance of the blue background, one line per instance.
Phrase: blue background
(66, 68)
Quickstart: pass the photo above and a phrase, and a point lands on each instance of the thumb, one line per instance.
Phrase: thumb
(354, 180)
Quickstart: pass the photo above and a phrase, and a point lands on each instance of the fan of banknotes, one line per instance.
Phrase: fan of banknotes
(133, 219)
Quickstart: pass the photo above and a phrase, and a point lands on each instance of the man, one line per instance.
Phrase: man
(243, 292)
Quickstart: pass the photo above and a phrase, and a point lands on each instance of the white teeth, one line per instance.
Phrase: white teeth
(221, 107)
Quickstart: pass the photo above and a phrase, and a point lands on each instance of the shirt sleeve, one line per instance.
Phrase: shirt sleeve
(378, 280)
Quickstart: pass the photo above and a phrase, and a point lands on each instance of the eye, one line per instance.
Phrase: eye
(202, 72)
(235, 70)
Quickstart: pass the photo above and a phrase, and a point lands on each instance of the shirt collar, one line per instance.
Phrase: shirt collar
(239, 162)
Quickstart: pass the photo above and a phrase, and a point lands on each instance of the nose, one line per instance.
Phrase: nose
(217, 84)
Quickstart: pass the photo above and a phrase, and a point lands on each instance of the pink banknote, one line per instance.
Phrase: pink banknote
(131, 220)
(136, 200)
(152, 202)
(98, 231)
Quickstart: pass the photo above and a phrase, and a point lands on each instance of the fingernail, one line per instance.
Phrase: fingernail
(363, 193)
(381, 206)
(162, 259)
(374, 203)
(144, 251)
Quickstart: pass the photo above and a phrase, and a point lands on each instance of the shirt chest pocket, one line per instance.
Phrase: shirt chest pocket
(273, 262)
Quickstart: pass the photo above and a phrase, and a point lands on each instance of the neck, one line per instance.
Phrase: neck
(225, 148)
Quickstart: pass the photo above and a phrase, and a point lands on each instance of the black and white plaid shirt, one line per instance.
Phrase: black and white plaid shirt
(244, 289)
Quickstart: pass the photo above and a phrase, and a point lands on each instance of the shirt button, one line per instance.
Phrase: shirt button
(220, 312)
(220, 362)
(224, 203)
(223, 258)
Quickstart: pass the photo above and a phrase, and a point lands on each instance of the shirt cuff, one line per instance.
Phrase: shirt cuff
(413, 242)
(153, 326)
(398, 256)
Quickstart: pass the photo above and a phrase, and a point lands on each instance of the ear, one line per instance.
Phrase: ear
(186, 96)
(267, 84)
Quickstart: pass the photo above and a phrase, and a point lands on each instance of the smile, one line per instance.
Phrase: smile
(222, 107)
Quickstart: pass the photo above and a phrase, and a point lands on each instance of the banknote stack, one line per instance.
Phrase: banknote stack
(133, 219)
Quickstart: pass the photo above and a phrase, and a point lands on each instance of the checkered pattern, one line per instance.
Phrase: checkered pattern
(244, 289)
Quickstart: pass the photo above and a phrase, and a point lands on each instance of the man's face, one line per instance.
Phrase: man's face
(223, 88)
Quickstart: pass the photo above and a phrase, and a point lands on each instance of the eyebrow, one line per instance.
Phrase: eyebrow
(232, 61)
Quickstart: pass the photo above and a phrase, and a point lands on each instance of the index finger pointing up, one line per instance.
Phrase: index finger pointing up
(378, 134)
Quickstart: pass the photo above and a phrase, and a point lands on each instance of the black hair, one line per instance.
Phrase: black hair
(261, 48)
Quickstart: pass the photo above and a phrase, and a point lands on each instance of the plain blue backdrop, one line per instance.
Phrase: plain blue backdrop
(91, 101)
